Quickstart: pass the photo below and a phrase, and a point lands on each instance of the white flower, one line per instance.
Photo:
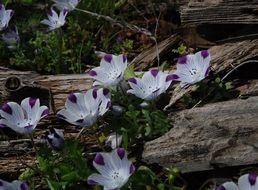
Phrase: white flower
(11, 38)
(22, 118)
(114, 168)
(151, 85)
(114, 140)
(5, 16)
(245, 182)
(66, 4)
(55, 138)
(83, 109)
(15, 185)
(54, 21)
(111, 70)
(192, 68)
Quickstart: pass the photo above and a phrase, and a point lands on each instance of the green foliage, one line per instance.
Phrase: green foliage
(146, 179)
(181, 50)
(68, 50)
(216, 90)
(138, 124)
(61, 169)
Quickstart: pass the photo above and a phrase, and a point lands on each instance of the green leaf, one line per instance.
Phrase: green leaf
(129, 72)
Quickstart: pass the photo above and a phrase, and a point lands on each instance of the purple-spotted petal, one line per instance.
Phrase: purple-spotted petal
(124, 58)
(121, 153)
(132, 169)
(92, 73)
(24, 186)
(32, 102)
(72, 98)
(91, 182)
(99, 159)
(182, 60)
(154, 72)
(7, 109)
(207, 72)
(94, 93)
(105, 91)
(50, 12)
(204, 53)
(132, 80)
(221, 187)
(2, 125)
(45, 112)
(172, 77)
(108, 58)
(109, 105)
(252, 178)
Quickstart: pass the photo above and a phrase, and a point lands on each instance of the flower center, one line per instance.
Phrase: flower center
(118, 178)
(196, 75)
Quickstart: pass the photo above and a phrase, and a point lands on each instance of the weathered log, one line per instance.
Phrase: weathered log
(149, 56)
(217, 135)
(219, 12)
(224, 59)
(52, 91)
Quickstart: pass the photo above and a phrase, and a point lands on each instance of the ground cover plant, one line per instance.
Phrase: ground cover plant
(123, 104)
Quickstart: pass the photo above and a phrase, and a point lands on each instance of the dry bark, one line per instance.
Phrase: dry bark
(219, 12)
(149, 56)
(216, 135)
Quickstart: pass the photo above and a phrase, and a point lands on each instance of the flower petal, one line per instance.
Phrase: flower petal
(248, 181)
(228, 186)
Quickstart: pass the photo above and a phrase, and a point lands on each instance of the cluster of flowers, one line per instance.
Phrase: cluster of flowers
(11, 36)
(83, 109)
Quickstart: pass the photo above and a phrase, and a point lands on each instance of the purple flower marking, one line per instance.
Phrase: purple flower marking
(24, 186)
(32, 102)
(132, 169)
(124, 58)
(204, 53)
(252, 179)
(6, 108)
(109, 104)
(108, 58)
(93, 73)
(94, 93)
(154, 72)
(105, 91)
(72, 98)
(2, 125)
(182, 60)
(172, 77)
(50, 12)
(132, 80)
(99, 159)
(92, 182)
(221, 187)
(121, 153)
(12, 13)
(45, 112)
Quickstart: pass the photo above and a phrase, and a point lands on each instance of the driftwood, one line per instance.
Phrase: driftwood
(219, 12)
(217, 135)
